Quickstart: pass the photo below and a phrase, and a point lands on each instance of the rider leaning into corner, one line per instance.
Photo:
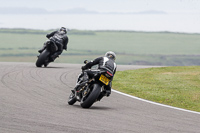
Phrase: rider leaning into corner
(61, 40)
(107, 61)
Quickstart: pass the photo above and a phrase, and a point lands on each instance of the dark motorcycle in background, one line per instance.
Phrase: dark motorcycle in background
(44, 57)
(88, 92)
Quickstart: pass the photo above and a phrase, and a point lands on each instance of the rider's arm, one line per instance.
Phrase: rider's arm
(114, 71)
(65, 42)
(51, 34)
(92, 63)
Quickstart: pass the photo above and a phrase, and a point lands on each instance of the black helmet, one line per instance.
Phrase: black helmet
(63, 29)
(111, 55)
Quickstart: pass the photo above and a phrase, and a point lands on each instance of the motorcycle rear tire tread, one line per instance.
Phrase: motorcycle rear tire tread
(94, 94)
(41, 58)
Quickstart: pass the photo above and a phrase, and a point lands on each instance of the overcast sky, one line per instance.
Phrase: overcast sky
(181, 15)
(109, 5)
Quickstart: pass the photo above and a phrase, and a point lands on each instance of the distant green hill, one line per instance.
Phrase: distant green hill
(136, 48)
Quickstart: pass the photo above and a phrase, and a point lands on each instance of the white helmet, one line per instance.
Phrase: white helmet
(111, 55)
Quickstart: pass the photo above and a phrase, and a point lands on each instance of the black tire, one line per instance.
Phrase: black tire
(42, 57)
(86, 102)
(72, 99)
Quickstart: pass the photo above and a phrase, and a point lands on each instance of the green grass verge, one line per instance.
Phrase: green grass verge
(175, 86)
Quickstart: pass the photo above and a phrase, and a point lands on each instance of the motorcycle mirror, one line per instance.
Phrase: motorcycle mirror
(85, 61)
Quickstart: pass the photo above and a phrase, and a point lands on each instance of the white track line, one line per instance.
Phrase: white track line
(155, 102)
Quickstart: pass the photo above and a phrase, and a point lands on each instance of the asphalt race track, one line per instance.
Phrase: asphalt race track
(34, 100)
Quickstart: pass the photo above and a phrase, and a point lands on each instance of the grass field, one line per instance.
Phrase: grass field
(175, 86)
(138, 48)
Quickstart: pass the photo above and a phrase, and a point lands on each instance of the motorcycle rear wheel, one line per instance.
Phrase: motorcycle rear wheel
(89, 99)
(42, 58)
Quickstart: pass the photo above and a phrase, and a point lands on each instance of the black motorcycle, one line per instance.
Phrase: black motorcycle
(45, 57)
(89, 91)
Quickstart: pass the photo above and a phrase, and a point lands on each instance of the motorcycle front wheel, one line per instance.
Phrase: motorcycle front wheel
(72, 99)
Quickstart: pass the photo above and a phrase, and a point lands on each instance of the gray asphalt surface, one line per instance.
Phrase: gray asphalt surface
(34, 100)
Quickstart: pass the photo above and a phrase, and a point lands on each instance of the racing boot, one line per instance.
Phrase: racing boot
(104, 93)
(43, 48)
(53, 57)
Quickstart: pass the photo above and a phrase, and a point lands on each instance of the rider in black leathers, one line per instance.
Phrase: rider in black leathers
(61, 40)
(108, 61)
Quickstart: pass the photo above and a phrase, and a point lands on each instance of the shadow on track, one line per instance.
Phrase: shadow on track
(50, 67)
(91, 108)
